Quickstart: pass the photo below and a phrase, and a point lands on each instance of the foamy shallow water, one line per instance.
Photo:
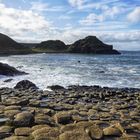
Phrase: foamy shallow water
(64, 69)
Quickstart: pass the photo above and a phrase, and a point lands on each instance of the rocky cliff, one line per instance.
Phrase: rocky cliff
(91, 44)
(51, 46)
(9, 46)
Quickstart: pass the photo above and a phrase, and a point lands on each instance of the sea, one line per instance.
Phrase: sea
(44, 70)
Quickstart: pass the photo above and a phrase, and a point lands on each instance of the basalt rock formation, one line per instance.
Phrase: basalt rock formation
(91, 44)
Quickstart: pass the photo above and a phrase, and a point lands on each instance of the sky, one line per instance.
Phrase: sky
(115, 22)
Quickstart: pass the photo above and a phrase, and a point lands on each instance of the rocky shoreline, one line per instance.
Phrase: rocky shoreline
(75, 113)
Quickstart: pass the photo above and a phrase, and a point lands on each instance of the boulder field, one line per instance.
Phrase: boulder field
(72, 113)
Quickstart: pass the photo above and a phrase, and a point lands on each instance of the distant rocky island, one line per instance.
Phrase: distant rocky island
(90, 44)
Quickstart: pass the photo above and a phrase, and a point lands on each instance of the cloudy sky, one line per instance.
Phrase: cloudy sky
(114, 21)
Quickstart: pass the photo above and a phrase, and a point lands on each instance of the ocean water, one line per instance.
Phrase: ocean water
(65, 69)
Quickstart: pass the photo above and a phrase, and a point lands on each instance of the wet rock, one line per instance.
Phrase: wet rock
(101, 124)
(3, 120)
(34, 103)
(111, 131)
(17, 138)
(16, 101)
(12, 107)
(95, 132)
(68, 127)
(8, 80)
(5, 131)
(48, 112)
(136, 126)
(23, 131)
(45, 136)
(79, 118)
(37, 127)
(56, 87)
(11, 113)
(74, 135)
(85, 124)
(43, 119)
(24, 119)
(46, 132)
(120, 127)
(70, 111)
(128, 137)
(63, 118)
(7, 70)
(25, 84)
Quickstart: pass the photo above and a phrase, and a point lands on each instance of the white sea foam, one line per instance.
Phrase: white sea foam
(63, 69)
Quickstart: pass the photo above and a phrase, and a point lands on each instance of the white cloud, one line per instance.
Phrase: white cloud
(113, 11)
(77, 3)
(19, 22)
(32, 26)
(39, 6)
(88, 5)
(107, 13)
(128, 40)
(134, 16)
(69, 34)
(91, 18)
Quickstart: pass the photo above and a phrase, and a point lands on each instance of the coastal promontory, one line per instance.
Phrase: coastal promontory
(9, 46)
(91, 44)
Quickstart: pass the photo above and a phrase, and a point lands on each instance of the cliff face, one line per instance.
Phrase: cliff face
(51, 46)
(9, 46)
(91, 44)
